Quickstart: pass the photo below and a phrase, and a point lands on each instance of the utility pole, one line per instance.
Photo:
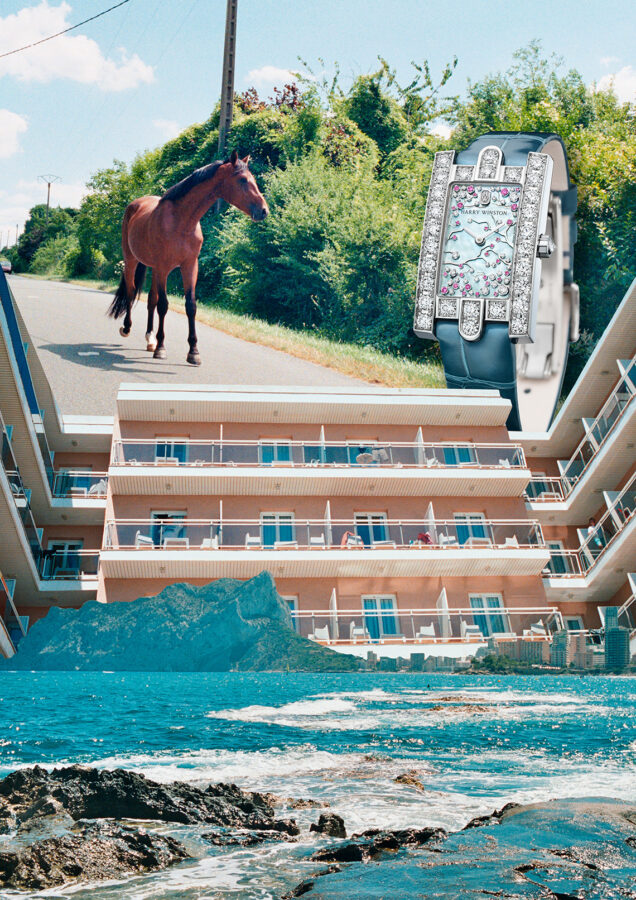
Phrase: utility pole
(48, 181)
(227, 81)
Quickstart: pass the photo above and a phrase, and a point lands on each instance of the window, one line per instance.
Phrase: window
(166, 524)
(171, 449)
(371, 527)
(471, 526)
(277, 526)
(292, 602)
(62, 558)
(573, 623)
(558, 560)
(380, 618)
(64, 480)
(485, 616)
(270, 452)
(458, 456)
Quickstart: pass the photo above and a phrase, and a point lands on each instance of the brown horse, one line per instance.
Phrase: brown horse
(164, 232)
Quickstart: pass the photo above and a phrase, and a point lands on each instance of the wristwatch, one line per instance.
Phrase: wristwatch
(495, 284)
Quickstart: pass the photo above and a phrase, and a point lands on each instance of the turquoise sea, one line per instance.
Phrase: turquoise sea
(474, 743)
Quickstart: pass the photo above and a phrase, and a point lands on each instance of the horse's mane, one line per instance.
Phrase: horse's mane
(205, 173)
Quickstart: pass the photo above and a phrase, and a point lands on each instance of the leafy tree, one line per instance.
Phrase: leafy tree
(36, 232)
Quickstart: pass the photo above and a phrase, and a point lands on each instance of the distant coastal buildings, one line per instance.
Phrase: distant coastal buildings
(398, 524)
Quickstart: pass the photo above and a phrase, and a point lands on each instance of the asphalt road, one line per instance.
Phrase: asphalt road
(85, 357)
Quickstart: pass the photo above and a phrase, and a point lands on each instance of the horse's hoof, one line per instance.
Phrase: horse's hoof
(123, 332)
(194, 359)
(160, 353)
(151, 345)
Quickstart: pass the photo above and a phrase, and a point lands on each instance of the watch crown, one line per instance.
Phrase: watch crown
(545, 246)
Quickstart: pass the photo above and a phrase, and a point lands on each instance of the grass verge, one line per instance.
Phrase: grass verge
(364, 363)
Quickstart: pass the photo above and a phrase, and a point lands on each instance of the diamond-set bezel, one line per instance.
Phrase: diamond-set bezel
(526, 269)
(518, 310)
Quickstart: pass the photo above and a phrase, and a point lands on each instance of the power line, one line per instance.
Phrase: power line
(66, 30)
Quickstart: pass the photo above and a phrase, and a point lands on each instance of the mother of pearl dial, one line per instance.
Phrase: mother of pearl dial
(479, 238)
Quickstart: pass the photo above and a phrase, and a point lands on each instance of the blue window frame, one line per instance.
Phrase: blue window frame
(485, 614)
(470, 525)
(457, 456)
(277, 527)
(170, 448)
(274, 452)
(371, 527)
(380, 618)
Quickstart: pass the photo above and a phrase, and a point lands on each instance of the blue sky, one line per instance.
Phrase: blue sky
(126, 82)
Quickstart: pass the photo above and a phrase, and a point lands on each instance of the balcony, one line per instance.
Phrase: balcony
(180, 547)
(605, 553)
(320, 467)
(80, 485)
(541, 489)
(69, 565)
(378, 626)
(614, 413)
(12, 626)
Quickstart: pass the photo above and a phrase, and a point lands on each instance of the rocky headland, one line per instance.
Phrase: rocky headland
(226, 625)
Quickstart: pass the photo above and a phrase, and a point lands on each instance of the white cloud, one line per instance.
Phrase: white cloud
(609, 61)
(268, 77)
(15, 204)
(72, 56)
(623, 82)
(11, 127)
(167, 128)
(442, 130)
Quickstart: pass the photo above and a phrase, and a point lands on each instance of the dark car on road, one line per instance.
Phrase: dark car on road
(5, 264)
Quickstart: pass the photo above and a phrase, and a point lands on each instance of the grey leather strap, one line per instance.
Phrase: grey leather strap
(529, 375)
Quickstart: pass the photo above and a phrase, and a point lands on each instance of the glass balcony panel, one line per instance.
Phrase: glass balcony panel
(378, 621)
(69, 565)
(91, 485)
(277, 452)
(270, 532)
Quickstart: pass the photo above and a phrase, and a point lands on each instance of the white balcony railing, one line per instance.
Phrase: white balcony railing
(599, 539)
(80, 484)
(390, 625)
(320, 534)
(611, 414)
(306, 454)
(541, 489)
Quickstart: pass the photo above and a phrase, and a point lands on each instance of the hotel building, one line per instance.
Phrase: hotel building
(393, 521)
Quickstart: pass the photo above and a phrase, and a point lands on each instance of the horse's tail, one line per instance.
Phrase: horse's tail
(120, 302)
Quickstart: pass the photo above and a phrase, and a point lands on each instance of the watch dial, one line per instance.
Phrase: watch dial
(478, 245)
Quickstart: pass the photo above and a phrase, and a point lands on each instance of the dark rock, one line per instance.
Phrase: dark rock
(308, 885)
(306, 804)
(331, 824)
(245, 839)
(222, 626)
(87, 793)
(495, 818)
(373, 842)
(98, 850)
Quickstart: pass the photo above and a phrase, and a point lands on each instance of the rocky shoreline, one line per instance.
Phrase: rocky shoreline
(78, 824)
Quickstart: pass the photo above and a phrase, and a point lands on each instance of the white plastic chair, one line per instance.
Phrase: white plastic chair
(317, 542)
(211, 543)
(321, 634)
(470, 632)
(252, 542)
(447, 540)
(358, 632)
(425, 631)
(143, 540)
